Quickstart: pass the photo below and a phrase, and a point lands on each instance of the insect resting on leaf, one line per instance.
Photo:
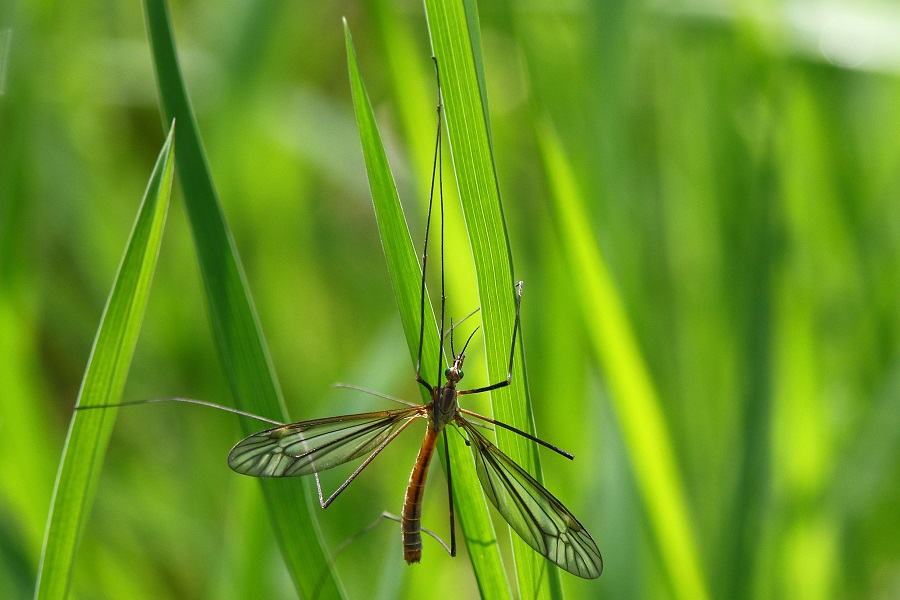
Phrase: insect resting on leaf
(310, 447)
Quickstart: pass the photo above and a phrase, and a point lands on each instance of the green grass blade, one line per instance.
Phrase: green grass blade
(236, 332)
(104, 379)
(635, 401)
(458, 52)
(405, 272)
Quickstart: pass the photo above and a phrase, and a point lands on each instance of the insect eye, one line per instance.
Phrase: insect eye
(447, 373)
(459, 374)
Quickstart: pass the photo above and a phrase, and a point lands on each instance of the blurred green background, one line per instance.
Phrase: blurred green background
(741, 173)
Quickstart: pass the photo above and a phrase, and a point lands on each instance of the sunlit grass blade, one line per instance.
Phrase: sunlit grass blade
(457, 49)
(403, 265)
(635, 401)
(413, 81)
(103, 382)
(236, 332)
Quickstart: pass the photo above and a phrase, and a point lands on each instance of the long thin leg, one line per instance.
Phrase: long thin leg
(450, 498)
(326, 503)
(512, 351)
(440, 177)
(435, 175)
(384, 515)
(350, 386)
(184, 400)
(514, 430)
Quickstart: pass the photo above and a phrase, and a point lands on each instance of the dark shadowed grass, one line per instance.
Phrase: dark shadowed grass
(235, 325)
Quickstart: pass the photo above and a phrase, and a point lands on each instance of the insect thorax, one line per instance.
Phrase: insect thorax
(445, 405)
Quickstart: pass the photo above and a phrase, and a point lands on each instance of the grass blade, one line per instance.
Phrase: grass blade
(406, 274)
(457, 48)
(236, 332)
(634, 399)
(104, 379)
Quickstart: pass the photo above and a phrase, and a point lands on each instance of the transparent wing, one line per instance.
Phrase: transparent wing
(533, 512)
(313, 446)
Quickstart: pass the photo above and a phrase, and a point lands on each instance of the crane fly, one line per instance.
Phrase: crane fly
(310, 447)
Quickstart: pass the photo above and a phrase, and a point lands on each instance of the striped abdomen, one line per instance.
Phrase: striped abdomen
(411, 519)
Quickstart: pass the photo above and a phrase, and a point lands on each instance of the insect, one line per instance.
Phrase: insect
(310, 447)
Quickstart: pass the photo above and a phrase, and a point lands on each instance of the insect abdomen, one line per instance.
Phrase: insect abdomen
(411, 517)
